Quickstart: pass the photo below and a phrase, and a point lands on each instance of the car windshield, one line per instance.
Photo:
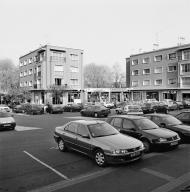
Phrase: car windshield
(102, 129)
(145, 124)
(170, 120)
(3, 115)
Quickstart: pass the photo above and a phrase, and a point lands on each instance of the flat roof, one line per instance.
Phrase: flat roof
(162, 49)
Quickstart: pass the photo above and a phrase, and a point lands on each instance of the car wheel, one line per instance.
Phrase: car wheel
(146, 144)
(99, 158)
(61, 145)
(96, 115)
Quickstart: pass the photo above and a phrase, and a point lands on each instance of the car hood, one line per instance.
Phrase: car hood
(7, 120)
(119, 141)
(182, 127)
(160, 132)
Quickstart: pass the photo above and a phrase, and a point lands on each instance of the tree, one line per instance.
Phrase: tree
(118, 75)
(97, 76)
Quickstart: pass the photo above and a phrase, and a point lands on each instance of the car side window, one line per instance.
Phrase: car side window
(72, 127)
(82, 130)
(184, 116)
(117, 122)
(128, 124)
(156, 120)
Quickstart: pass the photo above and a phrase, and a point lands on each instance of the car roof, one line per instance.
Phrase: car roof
(88, 122)
(157, 115)
(128, 116)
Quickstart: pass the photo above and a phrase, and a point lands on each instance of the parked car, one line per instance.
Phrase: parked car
(109, 105)
(171, 104)
(19, 109)
(98, 140)
(184, 117)
(73, 107)
(172, 123)
(179, 104)
(56, 108)
(132, 110)
(186, 103)
(7, 121)
(158, 107)
(5, 108)
(145, 130)
(95, 111)
(34, 109)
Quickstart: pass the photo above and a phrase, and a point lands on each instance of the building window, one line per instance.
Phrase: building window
(57, 54)
(30, 83)
(25, 62)
(185, 68)
(146, 82)
(185, 81)
(21, 84)
(30, 60)
(146, 71)
(58, 81)
(158, 58)
(74, 57)
(30, 72)
(135, 72)
(146, 60)
(158, 70)
(74, 69)
(172, 56)
(158, 82)
(25, 83)
(21, 74)
(74, 81)
(186, 54)
(58, 68)
(135, 62)
(172, 81)
(172, 68)
(21, 64)
(135, 83)
(25, 73)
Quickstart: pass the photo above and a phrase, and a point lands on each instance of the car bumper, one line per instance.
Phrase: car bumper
(7, 126)
(166, 144)
(117, 159)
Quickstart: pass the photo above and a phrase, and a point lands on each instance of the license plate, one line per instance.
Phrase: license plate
(135, 153)
(174, 143)
(6, 125)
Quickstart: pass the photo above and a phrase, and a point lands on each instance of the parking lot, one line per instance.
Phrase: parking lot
(30, 161)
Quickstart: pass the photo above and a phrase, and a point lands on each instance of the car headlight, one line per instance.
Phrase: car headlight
(119, 151)
(162, 140)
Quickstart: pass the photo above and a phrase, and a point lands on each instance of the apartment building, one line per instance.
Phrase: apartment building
(51, 67)
(160, 74)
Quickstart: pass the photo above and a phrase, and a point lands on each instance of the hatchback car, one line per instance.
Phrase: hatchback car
(145, 130)
(132, 110)
(95, 111)
(7, 121)
(172, 123)
(98, 140)
(5, 108)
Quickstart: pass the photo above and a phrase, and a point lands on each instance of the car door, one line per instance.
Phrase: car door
(83, 140)
(117, 123)
(129, 128)
(70, 135)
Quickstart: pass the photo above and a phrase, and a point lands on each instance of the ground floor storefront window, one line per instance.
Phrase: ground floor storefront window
(152, 95)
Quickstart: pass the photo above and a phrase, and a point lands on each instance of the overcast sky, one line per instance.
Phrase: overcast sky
(107, 30)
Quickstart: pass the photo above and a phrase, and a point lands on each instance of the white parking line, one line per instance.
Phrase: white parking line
(23, 128)
(49, 167)
(63, 184)
(173, 184)
(158, 174)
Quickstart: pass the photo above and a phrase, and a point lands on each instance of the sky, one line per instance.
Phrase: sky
(107, 30)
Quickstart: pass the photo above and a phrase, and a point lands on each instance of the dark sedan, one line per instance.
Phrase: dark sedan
(145, 130)
(95, 111)
(157, 107)
(172, 123)
(73, 107)
(98, 140)
(184, 117)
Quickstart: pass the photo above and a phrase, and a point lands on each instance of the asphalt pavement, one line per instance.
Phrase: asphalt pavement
(30, 161)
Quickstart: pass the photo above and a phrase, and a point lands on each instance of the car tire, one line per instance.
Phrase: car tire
(100, 158)
(61, 145)
(147, 145)
(96, 115)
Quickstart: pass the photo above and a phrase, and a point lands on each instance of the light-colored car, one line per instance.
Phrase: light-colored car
(5, 108)
(7, 121)
(171, 104)
(99, 140)
(130, 110)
